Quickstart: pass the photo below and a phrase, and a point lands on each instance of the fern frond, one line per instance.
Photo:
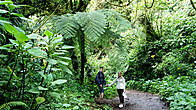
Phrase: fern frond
(116, 21)
(93, 24)
(65, 25)
(10, 105)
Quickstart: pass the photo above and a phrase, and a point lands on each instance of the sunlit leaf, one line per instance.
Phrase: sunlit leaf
(33, 36)
(66, 105)
(42, 88)
(76, 108)
(65, 58)
(55, 95)
(5, 2)
(34, 91)
(11, 29)
(17, 14)
(3, 22)
(21, 37)
(52, 61)
(64, 63)
(59, 81)
(3, 11)
(26, 19)
(40, 100)
(48, 33)
(68, 70)
(67, 47)
(37, 52)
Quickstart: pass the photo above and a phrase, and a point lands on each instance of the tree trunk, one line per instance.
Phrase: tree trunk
(74, 62)
(83, 57)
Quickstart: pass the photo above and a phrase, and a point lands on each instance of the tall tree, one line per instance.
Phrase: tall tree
(86, 26)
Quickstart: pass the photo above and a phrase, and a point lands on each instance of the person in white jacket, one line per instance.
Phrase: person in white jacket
(120, 87)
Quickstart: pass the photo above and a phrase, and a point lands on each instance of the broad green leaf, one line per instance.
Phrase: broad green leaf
(3, 11)
(7, 45)
(59, 81)
(4, 48)
(67, 47)
(56, 69)
(42, 73)
(3, 22)
(48, 33)
(57, 54)
(68, 70)
(40, 100)
(37, 52)
(64, 63)
(11, 29)
(42, 88)
(3, 56)
(26, 19)
(50, 77)
(54, 95)
(65, 58)
(75, 108)
(61, 51)
(42, 42)
(34, 91)
(57, 39)
(5, 2)
(12, 7)
(21, 37)
(66, 105)
(52, 61)
(27, 45)
(33, 36)
(14, 42)
(17, 14)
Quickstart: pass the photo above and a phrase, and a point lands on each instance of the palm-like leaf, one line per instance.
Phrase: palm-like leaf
(93, 24)
(65, 25)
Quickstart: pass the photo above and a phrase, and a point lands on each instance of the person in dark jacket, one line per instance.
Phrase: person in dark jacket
(100, 80)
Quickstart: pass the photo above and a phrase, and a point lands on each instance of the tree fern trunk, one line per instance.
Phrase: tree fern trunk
(71, 5)
(83, 57)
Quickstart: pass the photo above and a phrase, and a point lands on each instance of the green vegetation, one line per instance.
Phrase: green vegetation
(51, 51)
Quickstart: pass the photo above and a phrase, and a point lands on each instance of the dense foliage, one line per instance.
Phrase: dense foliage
(51, 51)
(178, 91)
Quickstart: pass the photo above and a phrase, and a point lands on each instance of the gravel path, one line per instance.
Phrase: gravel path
(137, 101)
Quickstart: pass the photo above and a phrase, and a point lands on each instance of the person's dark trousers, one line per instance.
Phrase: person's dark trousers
(120, 93)
(101, 90)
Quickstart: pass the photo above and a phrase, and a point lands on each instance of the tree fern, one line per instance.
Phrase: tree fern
(10, 105)
(93, 24)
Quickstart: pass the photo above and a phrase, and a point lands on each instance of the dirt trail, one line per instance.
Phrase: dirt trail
(137, 101)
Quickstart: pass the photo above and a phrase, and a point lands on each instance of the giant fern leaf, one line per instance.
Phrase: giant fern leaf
(116, 21)
(93, 24)
(65, 25)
